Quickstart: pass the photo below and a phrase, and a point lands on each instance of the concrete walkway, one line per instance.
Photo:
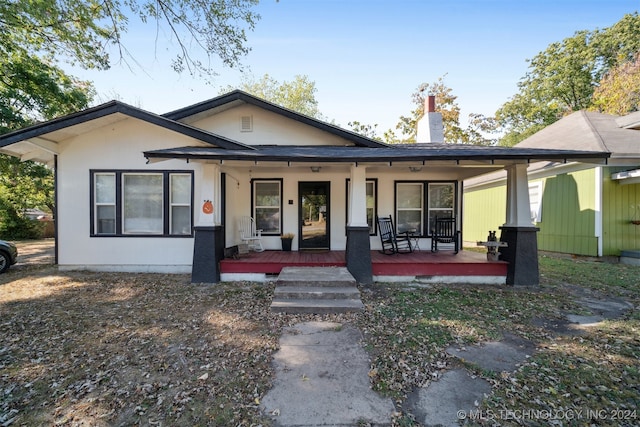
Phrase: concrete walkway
(322, 374)
(322, 379)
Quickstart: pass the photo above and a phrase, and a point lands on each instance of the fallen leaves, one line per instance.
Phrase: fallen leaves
(113, 349)
(131, 349)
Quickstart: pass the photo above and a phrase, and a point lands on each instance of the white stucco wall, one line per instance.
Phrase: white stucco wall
(117, 146)
(268, 128)
(239, 199)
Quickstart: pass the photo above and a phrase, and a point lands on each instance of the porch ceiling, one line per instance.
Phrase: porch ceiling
(431, 170)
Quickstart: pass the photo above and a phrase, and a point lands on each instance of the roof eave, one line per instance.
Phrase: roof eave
(256, 156)
(113, 107)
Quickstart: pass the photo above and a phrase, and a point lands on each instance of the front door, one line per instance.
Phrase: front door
(313, 199)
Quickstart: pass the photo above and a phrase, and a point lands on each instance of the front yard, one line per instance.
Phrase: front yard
(85, 348)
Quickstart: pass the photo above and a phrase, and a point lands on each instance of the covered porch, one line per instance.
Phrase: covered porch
(426, 266)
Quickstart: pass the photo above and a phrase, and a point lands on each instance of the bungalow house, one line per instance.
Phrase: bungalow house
(137, 191)
(582, 209)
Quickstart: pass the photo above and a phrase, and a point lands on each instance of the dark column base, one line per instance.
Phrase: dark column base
(359, 254)
(208, 250)
(522, 255)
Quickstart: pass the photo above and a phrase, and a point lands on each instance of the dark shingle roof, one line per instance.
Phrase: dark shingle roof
(589, 131)
(391, 153)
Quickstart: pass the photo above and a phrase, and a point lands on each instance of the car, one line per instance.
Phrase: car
(8, 255)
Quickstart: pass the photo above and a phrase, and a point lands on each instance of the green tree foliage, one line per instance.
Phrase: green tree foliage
(80, 31)
(562, 79)
(619, 90)
(32, 89)
(23, 185)
(446, 104)
(477, 132)
(35, 36)
(370, 131)
(298, 95)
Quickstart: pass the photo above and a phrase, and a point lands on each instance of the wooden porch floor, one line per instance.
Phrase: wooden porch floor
(419, 263)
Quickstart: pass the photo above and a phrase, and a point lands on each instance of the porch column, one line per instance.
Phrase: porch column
(358, 251)
(208, 247)
(519, 232)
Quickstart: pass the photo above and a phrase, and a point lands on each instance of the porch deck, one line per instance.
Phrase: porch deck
(465, 265)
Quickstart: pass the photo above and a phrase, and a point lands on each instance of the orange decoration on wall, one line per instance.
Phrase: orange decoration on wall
(207, 207)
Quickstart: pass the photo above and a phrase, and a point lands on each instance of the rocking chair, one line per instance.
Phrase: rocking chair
(444, 231)
(249, 235)
(392, 242)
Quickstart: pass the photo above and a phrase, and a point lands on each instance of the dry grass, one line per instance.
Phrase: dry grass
(126, 349)
(104, 349)
(84, 348)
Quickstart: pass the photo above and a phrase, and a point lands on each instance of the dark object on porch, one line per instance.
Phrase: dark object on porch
(444, 231)
(232, 252)
(392, 242)
(286, 243)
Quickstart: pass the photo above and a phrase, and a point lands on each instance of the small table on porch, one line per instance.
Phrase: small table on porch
(414, 235)
(492, 249)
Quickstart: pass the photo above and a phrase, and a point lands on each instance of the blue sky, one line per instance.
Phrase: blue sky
(368, 56)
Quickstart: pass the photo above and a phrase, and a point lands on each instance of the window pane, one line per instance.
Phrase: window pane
(371, 205)
(180, 189)
(409, 196)
(441, 195)
(268, 220)
(268, 194)
(370, 195)
(267, 201)
(106, 219)
(181, 220)
(409, 221)
(105, 188)
(142, 211)
(440, 213)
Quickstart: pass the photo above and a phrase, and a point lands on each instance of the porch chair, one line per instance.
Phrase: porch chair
(249, 234)
(444, 231)
(392, 242)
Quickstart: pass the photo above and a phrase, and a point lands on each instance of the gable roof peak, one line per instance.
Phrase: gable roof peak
(239, 97)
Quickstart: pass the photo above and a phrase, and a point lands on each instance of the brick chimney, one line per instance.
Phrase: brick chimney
(430, 127)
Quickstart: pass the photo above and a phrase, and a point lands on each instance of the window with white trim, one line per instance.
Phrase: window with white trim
(141, 203)
(267, 205)
(441, 201)
(105, 203)
(410, 207)
(180, 203)
(419, 203)
(535, 201)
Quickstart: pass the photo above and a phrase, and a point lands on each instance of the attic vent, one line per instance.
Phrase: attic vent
(246, 124)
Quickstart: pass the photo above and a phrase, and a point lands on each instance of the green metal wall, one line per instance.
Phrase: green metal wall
(621, 205)
(568, 214)
(483, 210)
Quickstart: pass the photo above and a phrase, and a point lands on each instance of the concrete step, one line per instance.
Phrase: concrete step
(316, 292)
(316, 306)
(315, 276)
